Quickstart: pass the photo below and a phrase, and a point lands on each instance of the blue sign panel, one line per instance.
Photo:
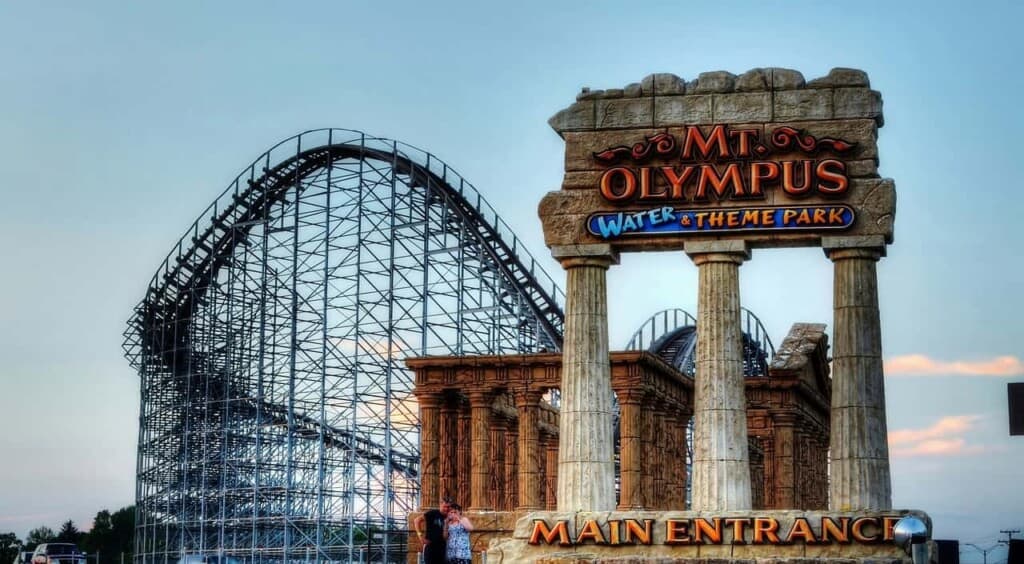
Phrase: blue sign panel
(670, 220)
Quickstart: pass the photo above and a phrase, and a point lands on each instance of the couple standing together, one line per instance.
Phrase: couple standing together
(447, 534)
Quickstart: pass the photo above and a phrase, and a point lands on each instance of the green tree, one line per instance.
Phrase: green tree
(10, 546)
(122, 525)
(69, 532)
(38, 536)
(101, 537)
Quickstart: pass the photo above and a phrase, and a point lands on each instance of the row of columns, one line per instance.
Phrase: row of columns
(500, 464)
(721, 473)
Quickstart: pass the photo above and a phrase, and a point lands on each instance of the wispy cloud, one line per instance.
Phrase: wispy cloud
(921, 365)
(943, 438)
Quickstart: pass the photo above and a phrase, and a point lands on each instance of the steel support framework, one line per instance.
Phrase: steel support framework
(277, 421)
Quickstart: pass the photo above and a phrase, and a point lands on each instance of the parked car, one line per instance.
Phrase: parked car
(23, 557)
(58, 553)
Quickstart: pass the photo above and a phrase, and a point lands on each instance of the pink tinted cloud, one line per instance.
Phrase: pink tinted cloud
(938, 447)
(921, 365)
(943, 438)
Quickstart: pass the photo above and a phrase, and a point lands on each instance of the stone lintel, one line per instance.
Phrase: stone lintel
(731, 247)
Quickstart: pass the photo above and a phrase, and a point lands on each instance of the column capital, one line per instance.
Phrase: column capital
(480, 396)
(633, 396)
(429, 398)
(784, 419)
(734, 251)
(572, 256)
(867, 246)
(526, 397)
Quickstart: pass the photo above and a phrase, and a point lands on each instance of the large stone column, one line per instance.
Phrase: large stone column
(660, 455)
(860, 476)
(463, 452)
(430, 446)
(480, 474)
(784, 455)
(586, 471)
(499, 428)
(630, 422)
(721, 464)
(551, 502)
(511, 465)
(549, 454)
(679, 423)
(528, 406)
(449, 445)
(648, 445)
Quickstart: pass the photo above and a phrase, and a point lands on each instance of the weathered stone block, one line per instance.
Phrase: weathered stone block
(742, 107)
(632, 90)
(682, 110)
(786, 79)
(524, 525)
(840, 76)
(715, 81)
(577, 117)
(581, 180)
(863, 132)
(862, 169)
(803, 104)
(715, 551)
(581, 146)
(820, 82)
(753, 80)
(830, 551)
(760, 551)
(668, 84)
(588, 94)
(880, 203)
(629, 112)
(613, 93)
(858, 103)
(647, 85)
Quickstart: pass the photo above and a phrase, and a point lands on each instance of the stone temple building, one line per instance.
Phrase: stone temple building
(490, 426)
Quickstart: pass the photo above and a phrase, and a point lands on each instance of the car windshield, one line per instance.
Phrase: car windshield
(61, 549)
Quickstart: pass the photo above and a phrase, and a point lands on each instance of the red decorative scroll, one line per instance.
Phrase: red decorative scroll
(788, 138)
(661, 143)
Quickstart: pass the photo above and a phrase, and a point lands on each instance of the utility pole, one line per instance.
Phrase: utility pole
(984, 551)
(1009, 535)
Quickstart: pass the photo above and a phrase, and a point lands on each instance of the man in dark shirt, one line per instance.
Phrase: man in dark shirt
(433, 540)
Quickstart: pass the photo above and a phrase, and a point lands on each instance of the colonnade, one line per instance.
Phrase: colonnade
(652, 451)
(487, 448)
(860, 478)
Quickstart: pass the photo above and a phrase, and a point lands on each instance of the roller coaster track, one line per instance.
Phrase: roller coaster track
(184, 277)
(672, 334)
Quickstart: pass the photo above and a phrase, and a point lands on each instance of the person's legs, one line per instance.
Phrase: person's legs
(434, 554)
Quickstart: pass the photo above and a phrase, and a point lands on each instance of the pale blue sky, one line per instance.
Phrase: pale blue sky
(121, 121)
